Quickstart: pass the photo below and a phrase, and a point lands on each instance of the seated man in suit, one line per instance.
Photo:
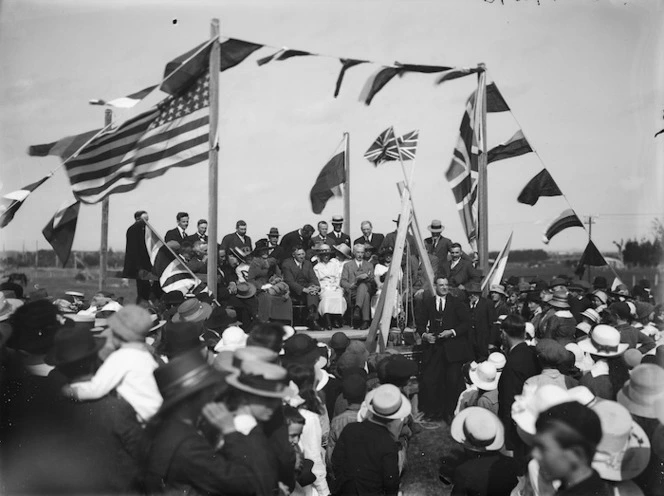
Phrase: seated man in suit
(445, 348)
(238, 239)
(201, 230)
(458, 270)
(438, 244)
(369, 237)
(304, 286)
(356, 278)
(337, 236)
(178, 233)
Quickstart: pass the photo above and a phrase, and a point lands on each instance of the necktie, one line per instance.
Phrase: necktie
(435, 242)
(440, 305)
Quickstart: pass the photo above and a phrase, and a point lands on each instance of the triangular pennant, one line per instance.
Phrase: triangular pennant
(61, 229)
(494, 100)
(425, 69)
(591, 256)
(540, 185)
(232, 52)
(457, 73)
(282, 54)
(376, 82)
(516, 146)
(12, 201)
(497, 270)
(345, 65)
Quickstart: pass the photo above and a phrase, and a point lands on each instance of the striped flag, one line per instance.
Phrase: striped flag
(497, 270)
(61, 229)
(283, 54)
(516, 146)
(128, 101)
(408, 145)
(11, 202)
(329, 181)
(383, 149)
(63, 148)
(462, 173)
(456, 73)
(174, 134)
(172, 272)
(565, 220)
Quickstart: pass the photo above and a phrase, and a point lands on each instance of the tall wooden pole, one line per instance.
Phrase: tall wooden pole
(213, 159)
(347, 184)
(482, 182)
(103, 248)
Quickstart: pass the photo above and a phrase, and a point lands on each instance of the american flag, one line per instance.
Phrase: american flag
(174, 134)
(172, 273)
(462, 173)
(383, 149)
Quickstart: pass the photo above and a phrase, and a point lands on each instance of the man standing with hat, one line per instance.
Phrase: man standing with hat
(368, 236)
(438, 244)
(482, 317)
(337, 236)
(391, 237)
(137, 263)
(272, 242)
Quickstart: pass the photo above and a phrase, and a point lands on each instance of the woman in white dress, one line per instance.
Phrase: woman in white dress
(380, 275)
(332, 302)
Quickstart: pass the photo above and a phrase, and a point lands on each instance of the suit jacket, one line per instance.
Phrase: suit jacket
(455, 316)
(136, 254)
(291, 240)
(232, 240)
(299, 278)
(461, 273)
(350, 272)
(174, 235)
(335, 239)
(328, 240)
(391, 238)
(277, 252)
(225, 275)
(441, 249)
(482, 318)
(195, 237)
(521, 364)
(375, 240)
(486, 473)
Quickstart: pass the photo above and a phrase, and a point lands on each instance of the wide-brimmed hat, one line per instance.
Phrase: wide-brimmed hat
(245, 290)
(8, 306)
(436, 226)
(219, 319)
(387, 402)
(156, 322)
(485, 376)
(323, 249)
(603, 341)
(260, 378)
(83, 321)
(601, 295)
(71, 344)
(534, 400)
(642, 390)
(497, 288)
(478, 429)
(192, 310)
(583, 395)
(592, 314)
(582, 361)
(302, 349)
(239, 253)
(473, 287)
(180, 337)
(232, 338)
(624, 451)
(559, 299)
(185, 375)
(273, 232)
(344, 249)
(230, 361)
(498, 360)
(339, 341)
(131, 323)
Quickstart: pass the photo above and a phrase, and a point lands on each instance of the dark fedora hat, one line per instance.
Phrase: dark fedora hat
(302, 349)
(184, 376)
(220, 318)
(71, 344)
(273, 232)
(473, 287)
(180, 337)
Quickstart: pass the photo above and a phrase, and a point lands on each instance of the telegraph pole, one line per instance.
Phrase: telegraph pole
(590, 220)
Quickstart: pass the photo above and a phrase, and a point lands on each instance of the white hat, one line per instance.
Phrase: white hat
(289, 332)
(8, 306)
(261, 379)
(478, 429)
(581, 361)
(498, 360)
(603, 341)
(592, 314)
(386, 401)
(485, 376)
(583, 395)
(530, 330)
(232, 339)
(533, 401)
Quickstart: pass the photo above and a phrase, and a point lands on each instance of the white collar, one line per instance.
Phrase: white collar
(601, 367)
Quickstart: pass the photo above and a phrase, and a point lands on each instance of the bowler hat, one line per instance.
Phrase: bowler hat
(478, 429)
(219, 319)
(436, 226)
(339, 341)
(557, 281)
(192, 310)
(579, 417)
(260, 378)
(245, 290)
(180, 337)
(71, 345)
(512, 280)
(35, 325)
(273, 232)
(185, 375)
(642, 390)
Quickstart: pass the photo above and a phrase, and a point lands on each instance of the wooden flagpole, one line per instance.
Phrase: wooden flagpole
(347, 184)
(103, 248)
(482, 180)
(213, 158)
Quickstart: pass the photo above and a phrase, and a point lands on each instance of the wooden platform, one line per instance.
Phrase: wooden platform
(325, 336)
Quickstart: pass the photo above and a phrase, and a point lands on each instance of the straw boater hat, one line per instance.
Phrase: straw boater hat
(344, 249)
(534, 400)
(485, 376)
(230, 361)
(498, 360)
(591, 314)
(337, 219)
(387, 402)
(603, 341)
(245, 290)
(624, 451)
(192, 310)
(71, 344)
(478, 429)
(233, 338)
(643, 389)
(497, 288)
(260, 378)
(436, 226)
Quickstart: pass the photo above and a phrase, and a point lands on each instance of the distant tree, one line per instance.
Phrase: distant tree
(524, 256)
(646, 252)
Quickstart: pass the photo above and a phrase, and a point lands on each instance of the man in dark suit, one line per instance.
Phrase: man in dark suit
(323, 237)
(298, 238)
(201, 230)
(438, 244)
(445, 348)
(482, 318)
(178, 233)
(391, 237)
(458, 270)
(272, 242)
(238, 239)
(369, 237)
(337, 236)
(304, 286)
(521, 364)
(137, 263)
(356, 277)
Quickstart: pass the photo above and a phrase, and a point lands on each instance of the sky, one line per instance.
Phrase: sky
(583, 78)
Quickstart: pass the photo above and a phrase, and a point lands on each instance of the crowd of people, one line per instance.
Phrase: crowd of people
(547, 387)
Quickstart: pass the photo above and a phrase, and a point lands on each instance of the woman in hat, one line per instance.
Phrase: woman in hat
(499, 299)
(609, 373)
(332, 304)
(264, 274)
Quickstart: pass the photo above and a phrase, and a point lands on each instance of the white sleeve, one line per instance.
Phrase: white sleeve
(311, 446)
(107, 378)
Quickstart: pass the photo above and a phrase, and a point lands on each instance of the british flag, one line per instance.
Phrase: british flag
(408, 145)
(385, 148)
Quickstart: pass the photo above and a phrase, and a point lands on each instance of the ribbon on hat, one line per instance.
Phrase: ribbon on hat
(612, 460)
(481, 443)
(260, 382)
(603, 347)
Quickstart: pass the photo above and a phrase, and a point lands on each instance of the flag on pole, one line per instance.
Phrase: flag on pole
(494, 100)
(171, 270)
(540, 185)
(495, 275)
(616, 282)
(174, 134)
(515, 146)
(456, 73)
(345, 65)
(565, 220)
(184, 70)
(232, 52)
(282, 54)
(63, 148)
(61, 229)
(462, 174)
(591, 256)
(383, 149)
(128, 101)
(329, 181)
(408, 145)
(11, 202)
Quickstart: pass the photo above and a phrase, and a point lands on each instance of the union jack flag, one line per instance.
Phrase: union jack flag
(408, 145)
(385, 148)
